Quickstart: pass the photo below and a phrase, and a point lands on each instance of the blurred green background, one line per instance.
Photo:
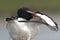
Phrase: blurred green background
(10, 7)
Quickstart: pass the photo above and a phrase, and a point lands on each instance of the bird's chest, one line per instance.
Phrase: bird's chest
(22, 29)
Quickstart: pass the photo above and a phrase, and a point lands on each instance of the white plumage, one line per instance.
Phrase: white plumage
(22, 30)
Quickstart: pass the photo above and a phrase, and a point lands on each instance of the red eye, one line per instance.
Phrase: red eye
(33, 15)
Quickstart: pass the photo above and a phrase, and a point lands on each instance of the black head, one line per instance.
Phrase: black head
(22, 12)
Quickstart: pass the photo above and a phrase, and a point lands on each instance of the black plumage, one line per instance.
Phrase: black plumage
(22, 12)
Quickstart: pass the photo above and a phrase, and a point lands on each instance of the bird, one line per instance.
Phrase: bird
(26, 24)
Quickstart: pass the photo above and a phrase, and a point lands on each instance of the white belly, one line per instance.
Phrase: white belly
(22, 30)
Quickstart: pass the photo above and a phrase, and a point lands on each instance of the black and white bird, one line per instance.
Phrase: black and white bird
(26, 24)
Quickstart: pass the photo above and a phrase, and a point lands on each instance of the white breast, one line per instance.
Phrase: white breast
(22, 30)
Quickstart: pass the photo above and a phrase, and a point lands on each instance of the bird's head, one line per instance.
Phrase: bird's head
(44, 19)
